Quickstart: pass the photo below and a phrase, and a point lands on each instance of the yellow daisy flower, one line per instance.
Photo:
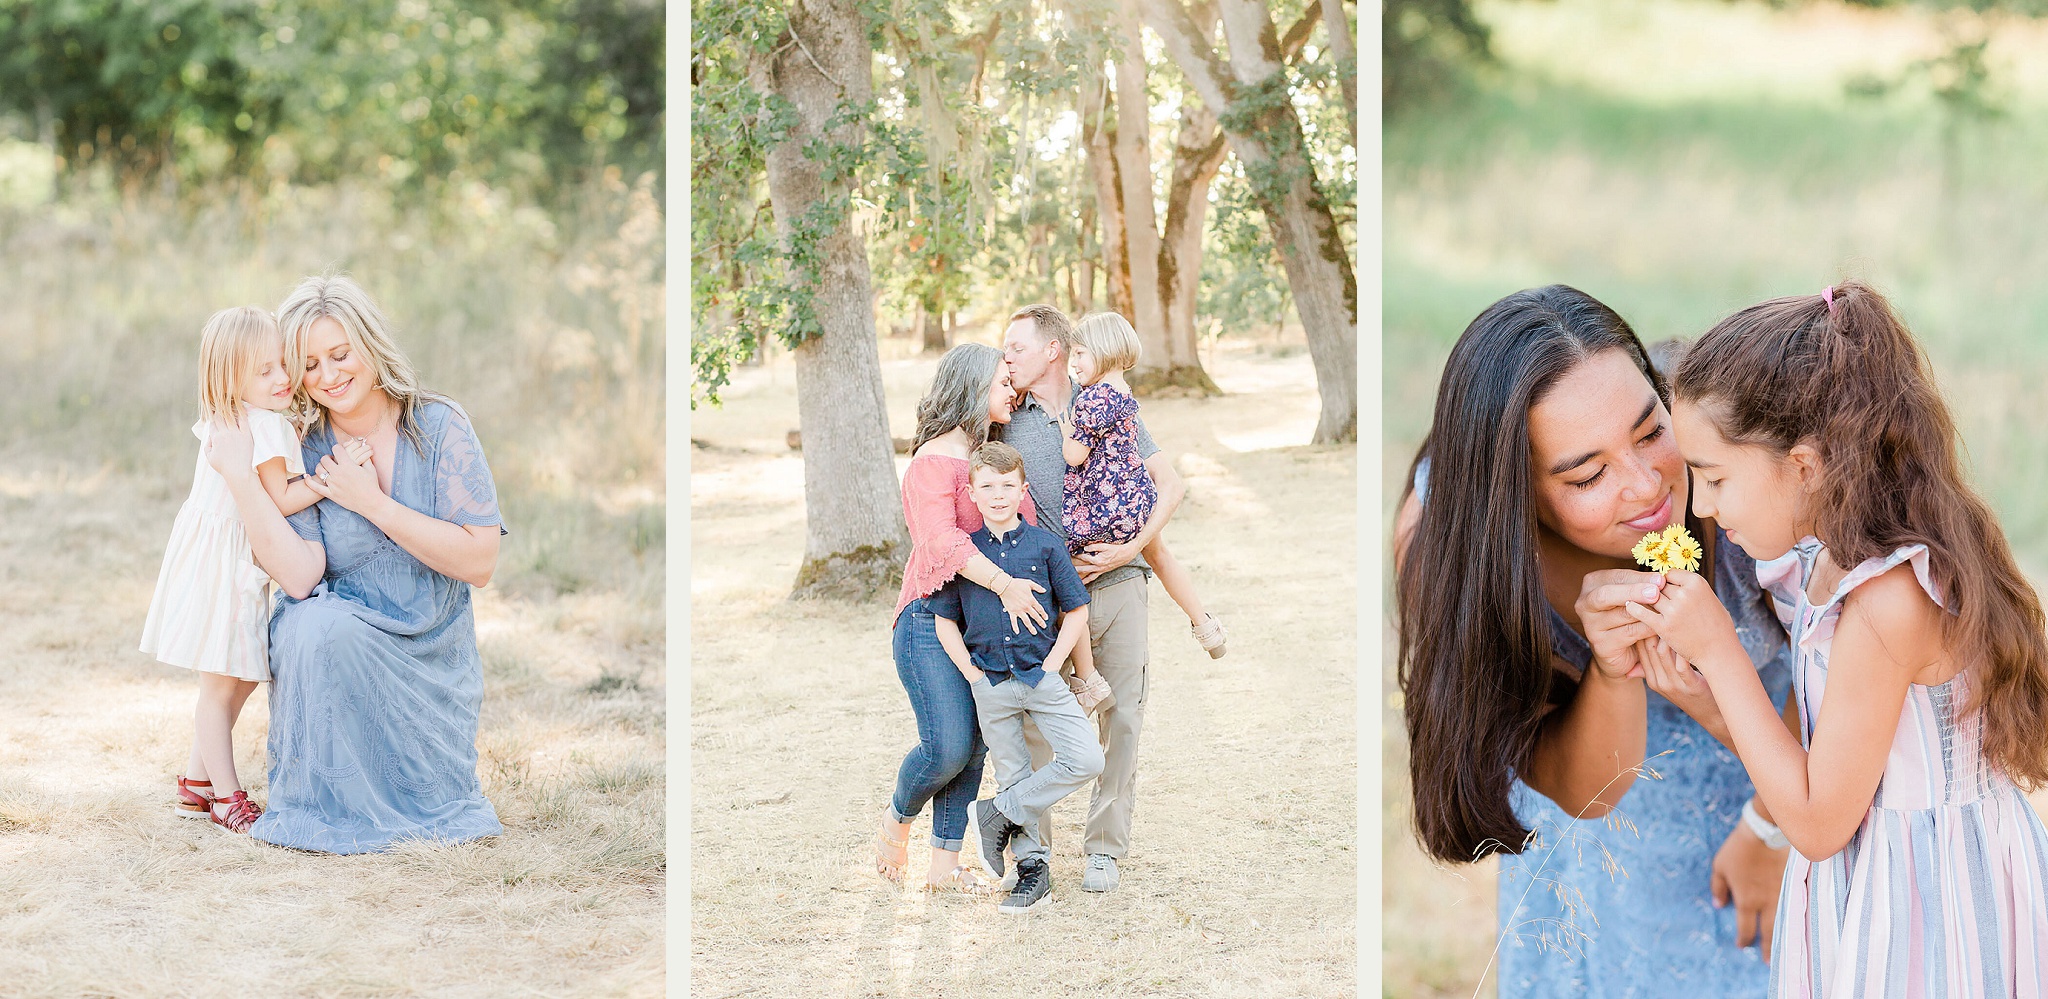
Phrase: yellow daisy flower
(1671, 548)
(1650, 551)
(1680, 550)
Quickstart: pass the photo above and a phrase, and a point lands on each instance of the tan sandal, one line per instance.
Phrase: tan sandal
(1210, 635)
(962, 880)
(1093, 694)
(890, 872)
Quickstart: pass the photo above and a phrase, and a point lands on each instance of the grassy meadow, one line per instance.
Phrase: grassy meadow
(1681, 160)
(548, 328)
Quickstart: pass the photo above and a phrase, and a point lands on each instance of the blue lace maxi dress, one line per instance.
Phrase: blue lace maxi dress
(1646, 925)
(376, 678)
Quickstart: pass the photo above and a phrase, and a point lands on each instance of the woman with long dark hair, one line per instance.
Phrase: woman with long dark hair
(1622, 818)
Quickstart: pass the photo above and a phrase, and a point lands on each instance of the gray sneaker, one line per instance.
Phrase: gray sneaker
(994, 829)
(1034, 888)
(1101, 875)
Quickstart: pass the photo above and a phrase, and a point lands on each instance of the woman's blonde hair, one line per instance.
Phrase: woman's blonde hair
(1110, 338)
(338, 298)
(229, 349)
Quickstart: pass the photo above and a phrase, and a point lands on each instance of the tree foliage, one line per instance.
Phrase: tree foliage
(971, 185)
(530, 93)
(1425, 47)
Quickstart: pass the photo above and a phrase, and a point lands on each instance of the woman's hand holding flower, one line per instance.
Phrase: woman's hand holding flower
(1613, 633)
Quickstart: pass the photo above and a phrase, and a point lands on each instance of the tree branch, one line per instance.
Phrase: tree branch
(1297, 36)
(822, 71)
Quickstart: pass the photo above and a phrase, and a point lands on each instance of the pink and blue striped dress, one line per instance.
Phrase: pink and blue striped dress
(1943, 891)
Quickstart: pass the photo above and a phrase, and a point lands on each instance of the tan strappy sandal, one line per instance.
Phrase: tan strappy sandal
(890, 872)
(962, 880)
(1210, 635)
(1092, 694)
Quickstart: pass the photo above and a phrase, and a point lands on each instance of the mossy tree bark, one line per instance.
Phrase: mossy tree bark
(854, 538)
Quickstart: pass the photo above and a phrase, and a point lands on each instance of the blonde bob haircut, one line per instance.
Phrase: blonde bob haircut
(232, 346)
(339, 298)
(1110, 338)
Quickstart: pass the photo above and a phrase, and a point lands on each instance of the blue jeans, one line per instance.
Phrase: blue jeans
(945, 766)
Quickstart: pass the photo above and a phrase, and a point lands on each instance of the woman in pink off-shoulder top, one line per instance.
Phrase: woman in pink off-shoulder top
(968, 401)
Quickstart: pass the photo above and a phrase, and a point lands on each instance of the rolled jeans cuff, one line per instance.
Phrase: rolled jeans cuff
(948, 845)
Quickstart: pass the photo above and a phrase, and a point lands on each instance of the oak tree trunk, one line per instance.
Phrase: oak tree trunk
(1109, 197)
(1083, 299)
(1266, 135)
(1141, 221)
(1344, 51)
(1198, 155)
(854, 539)
(932, 332)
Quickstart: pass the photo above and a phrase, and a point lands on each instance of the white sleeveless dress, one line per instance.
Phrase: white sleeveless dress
(211, 611)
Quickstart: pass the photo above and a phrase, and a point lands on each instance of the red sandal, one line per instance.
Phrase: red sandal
(241, 814)
(191, 803)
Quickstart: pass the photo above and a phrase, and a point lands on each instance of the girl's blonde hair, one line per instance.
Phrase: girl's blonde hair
(229, 349)
(338, 298)
(1110, 338)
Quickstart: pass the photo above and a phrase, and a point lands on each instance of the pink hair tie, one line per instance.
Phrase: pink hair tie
(1827, 295)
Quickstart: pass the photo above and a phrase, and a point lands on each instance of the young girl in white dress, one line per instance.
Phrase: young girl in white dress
(211, 611)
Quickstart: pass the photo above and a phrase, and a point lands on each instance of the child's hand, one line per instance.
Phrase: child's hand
(1692, 622)
(230, 449)
(354, 449)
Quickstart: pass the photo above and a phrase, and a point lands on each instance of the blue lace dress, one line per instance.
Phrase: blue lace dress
(1623, 907)
(376, 678)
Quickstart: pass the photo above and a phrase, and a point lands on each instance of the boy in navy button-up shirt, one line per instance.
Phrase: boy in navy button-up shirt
(1015, 674)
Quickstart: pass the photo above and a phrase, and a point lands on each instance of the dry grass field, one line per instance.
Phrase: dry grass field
(103, 890)
(1242, 875)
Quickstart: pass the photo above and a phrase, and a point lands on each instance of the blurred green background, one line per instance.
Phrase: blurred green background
(1679, 160)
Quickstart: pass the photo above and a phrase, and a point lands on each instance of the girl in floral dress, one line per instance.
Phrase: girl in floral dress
(1819, 443)
(1109, 494)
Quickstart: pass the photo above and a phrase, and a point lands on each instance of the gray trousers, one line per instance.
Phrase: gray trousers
(1117, 635)
(1026, 793)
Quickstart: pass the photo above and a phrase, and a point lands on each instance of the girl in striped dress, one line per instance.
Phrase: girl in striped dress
(1817, 439)
(211, 609)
